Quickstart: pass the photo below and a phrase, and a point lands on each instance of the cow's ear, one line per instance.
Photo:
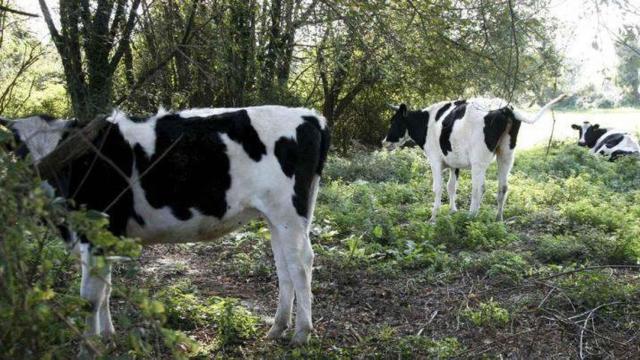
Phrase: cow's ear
(595, 126)
(576, 127)
(403, 110)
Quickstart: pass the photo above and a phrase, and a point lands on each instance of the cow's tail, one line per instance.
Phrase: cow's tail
(521, 117)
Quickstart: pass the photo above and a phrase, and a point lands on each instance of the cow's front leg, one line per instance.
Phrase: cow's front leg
(95, 287)
(436, 171)
(104, 313)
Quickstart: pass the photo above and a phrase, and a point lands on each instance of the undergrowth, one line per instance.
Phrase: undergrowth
(566, 212)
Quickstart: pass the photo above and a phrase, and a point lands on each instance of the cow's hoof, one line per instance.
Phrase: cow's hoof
(276, 332)
(108, 334)
(300, 338)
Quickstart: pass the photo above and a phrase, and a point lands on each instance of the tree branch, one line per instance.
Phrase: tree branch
(55, 35)
(18, 12)
(126, 35)
(186, 37)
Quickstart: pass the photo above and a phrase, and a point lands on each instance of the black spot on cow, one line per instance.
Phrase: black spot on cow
(620, 153)
(496, 123)
(513, 132)
(325, 141)
(459, 102)
(592, 134)
(609, 141)
(442, 110)
(194, 169)
(303, 157)
(238, 127)
(46, 117)
(80, 178)
(286, 151)
(447, 126)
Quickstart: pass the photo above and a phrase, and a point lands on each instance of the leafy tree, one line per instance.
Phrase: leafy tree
(92, 39)
(627, 46)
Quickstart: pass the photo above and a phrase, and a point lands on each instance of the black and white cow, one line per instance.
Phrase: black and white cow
(463, 134)
(611, 143)
(195, 175)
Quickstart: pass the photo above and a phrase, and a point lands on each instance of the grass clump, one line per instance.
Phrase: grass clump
(463, 231)
(502, 265)
(187, 310)
(590, 289)
(488, 314)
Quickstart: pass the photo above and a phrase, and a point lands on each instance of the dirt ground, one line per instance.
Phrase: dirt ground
(352, 306)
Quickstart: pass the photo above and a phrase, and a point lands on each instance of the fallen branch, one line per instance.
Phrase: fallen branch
(584, 325)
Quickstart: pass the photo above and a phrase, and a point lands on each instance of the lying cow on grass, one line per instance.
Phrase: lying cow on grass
(463, 134)
(193, 175)
(610, 143)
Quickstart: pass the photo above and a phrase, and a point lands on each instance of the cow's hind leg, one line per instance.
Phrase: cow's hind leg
(285, 285)
(299, 256)
(477, 187)
(451, 189)
(294, 261)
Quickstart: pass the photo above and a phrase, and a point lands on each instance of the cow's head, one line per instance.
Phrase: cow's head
(588, 133)
(398, 133)
(37, 135)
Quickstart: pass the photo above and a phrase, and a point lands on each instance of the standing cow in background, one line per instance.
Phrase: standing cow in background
(610, 143)
(188, 176)
(463, 134)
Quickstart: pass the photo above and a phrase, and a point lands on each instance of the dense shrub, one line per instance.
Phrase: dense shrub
(41, 312)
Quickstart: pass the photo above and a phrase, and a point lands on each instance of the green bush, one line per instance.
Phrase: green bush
(41, 312)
